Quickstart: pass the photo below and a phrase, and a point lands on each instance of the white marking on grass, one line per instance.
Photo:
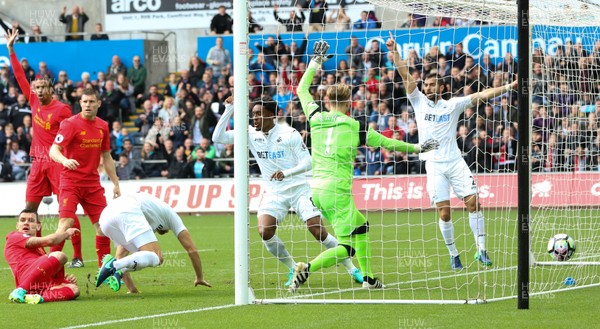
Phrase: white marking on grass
(153, 316)
(164, 254)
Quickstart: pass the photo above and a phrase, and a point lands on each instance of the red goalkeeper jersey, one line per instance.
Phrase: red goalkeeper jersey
(84, 141)
(19, 257)
(45, 118)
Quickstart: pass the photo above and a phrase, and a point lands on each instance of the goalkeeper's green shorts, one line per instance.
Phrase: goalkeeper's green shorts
(338, 207)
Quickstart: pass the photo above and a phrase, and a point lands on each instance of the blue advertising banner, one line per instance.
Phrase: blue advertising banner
(76, 57)
(477, 40)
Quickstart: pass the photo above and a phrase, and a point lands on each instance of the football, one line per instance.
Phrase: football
(561, 247)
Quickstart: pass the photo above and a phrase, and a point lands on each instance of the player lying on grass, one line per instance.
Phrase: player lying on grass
(438, 118)
(130, 222)
(283, 159)
(39, 277)
(335, 139)
(47, 115)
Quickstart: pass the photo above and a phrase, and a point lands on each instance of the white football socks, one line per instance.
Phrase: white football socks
(276, 247)
(137, 261)
(477, 226)
(447, 229)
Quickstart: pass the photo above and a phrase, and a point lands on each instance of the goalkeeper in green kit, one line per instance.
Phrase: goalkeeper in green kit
(335, 139)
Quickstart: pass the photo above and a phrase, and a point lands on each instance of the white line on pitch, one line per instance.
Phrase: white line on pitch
(164, 253)
(103, 323)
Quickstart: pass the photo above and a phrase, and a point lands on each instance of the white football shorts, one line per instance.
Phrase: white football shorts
(443, 175)
(278, 204)
(126, 225)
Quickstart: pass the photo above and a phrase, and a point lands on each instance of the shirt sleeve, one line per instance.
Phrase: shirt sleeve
(301, 154)
(221, 134)
(459, 104)
(20, 75)
(17, 239)
(176, 224)
(106, 138)
(415, 98)
(375, 139)
(306, 101)
(65, 135)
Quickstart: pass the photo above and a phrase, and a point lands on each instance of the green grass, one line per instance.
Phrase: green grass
(414, 270)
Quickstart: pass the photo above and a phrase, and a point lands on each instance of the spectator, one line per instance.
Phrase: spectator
(14, 26)
(85, 79)
(201, 167)
(375, 56)
(44, 72)
(151, 161)
(137, 76)
(168, 110)
(37, 35)
(365, 22)
(392, 128)
(145, 121)
(126, 170)
(297, 53)
(29, 72)
(133, 154)
(115, 68)
(153, 96)
(374, 158)
(172, 85)
(158, 134)
(202, 124)
(24, 134)
(221, 23)
(124, 86)
(17, 159)
(179, 132)
(178, 166)
(294, 23)
(355, 51)
(340, 20)
(75, 23)
(100, 81)
(4, 115)
(98, 35)
(283, 96)
(196, 71)
(261, 69)
(218, 57)
(253, 26)
(457, 57)
(111, 102)
(7, 135)
(19, 111)
(225, 167)
(318, 15)
(116, 139)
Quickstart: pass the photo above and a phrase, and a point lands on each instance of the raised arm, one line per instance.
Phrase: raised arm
(308, 103)
(483, 96)
(187, 243)
(409, 82)
(14, 62)
(375, 139)
(221, 135)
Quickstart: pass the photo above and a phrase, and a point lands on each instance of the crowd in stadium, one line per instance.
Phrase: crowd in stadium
(174, 126)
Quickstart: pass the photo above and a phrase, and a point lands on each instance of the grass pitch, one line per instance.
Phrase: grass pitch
(407, 255)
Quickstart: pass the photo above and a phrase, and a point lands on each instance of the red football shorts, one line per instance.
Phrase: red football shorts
(91, 198)
(44, 178)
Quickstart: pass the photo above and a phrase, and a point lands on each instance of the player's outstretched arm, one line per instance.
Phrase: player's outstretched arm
(50, 240)
(15, 64)
(221, 135)
(320, 56)
(483, 96)
(111, 171)
(375, 139)
(409, 82)
(187, 243)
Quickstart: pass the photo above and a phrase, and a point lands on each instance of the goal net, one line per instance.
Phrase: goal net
(473, 46)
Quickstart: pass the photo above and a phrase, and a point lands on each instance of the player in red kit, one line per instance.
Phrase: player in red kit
(39, 277)
(46, 114)
(81, 142)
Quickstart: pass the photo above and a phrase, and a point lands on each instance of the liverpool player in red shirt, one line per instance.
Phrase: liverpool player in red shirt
(35, 272)
(80, 143)
(47, 114)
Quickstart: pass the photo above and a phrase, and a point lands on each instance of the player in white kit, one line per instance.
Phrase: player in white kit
(130, 222)
(283, 159)
(438, 118)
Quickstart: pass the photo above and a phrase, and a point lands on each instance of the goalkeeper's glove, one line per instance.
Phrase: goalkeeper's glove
(429, 145)
(320, 52)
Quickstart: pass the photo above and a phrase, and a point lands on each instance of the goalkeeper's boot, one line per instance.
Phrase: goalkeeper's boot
(357, 275)
(114, 281)
(290, 277)
(17, 295)
(482, 256)
(107, 269)
(300, 276)
(34, 299)
(455, 263)
(372, 283)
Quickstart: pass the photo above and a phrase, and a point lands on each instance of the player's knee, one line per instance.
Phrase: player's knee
(445, 215)
(349, 249)
(160, 260)
(266, 232)
(60, 256)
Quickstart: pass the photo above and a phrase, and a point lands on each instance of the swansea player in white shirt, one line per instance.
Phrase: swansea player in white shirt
(438, 118)
(283, 159)
(130, 222)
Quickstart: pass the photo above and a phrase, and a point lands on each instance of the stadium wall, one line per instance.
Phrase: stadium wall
(371, 193)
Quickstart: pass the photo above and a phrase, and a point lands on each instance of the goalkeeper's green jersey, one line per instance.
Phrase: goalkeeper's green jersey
(335, 138)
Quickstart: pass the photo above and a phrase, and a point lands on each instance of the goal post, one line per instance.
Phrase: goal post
(522, 210)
